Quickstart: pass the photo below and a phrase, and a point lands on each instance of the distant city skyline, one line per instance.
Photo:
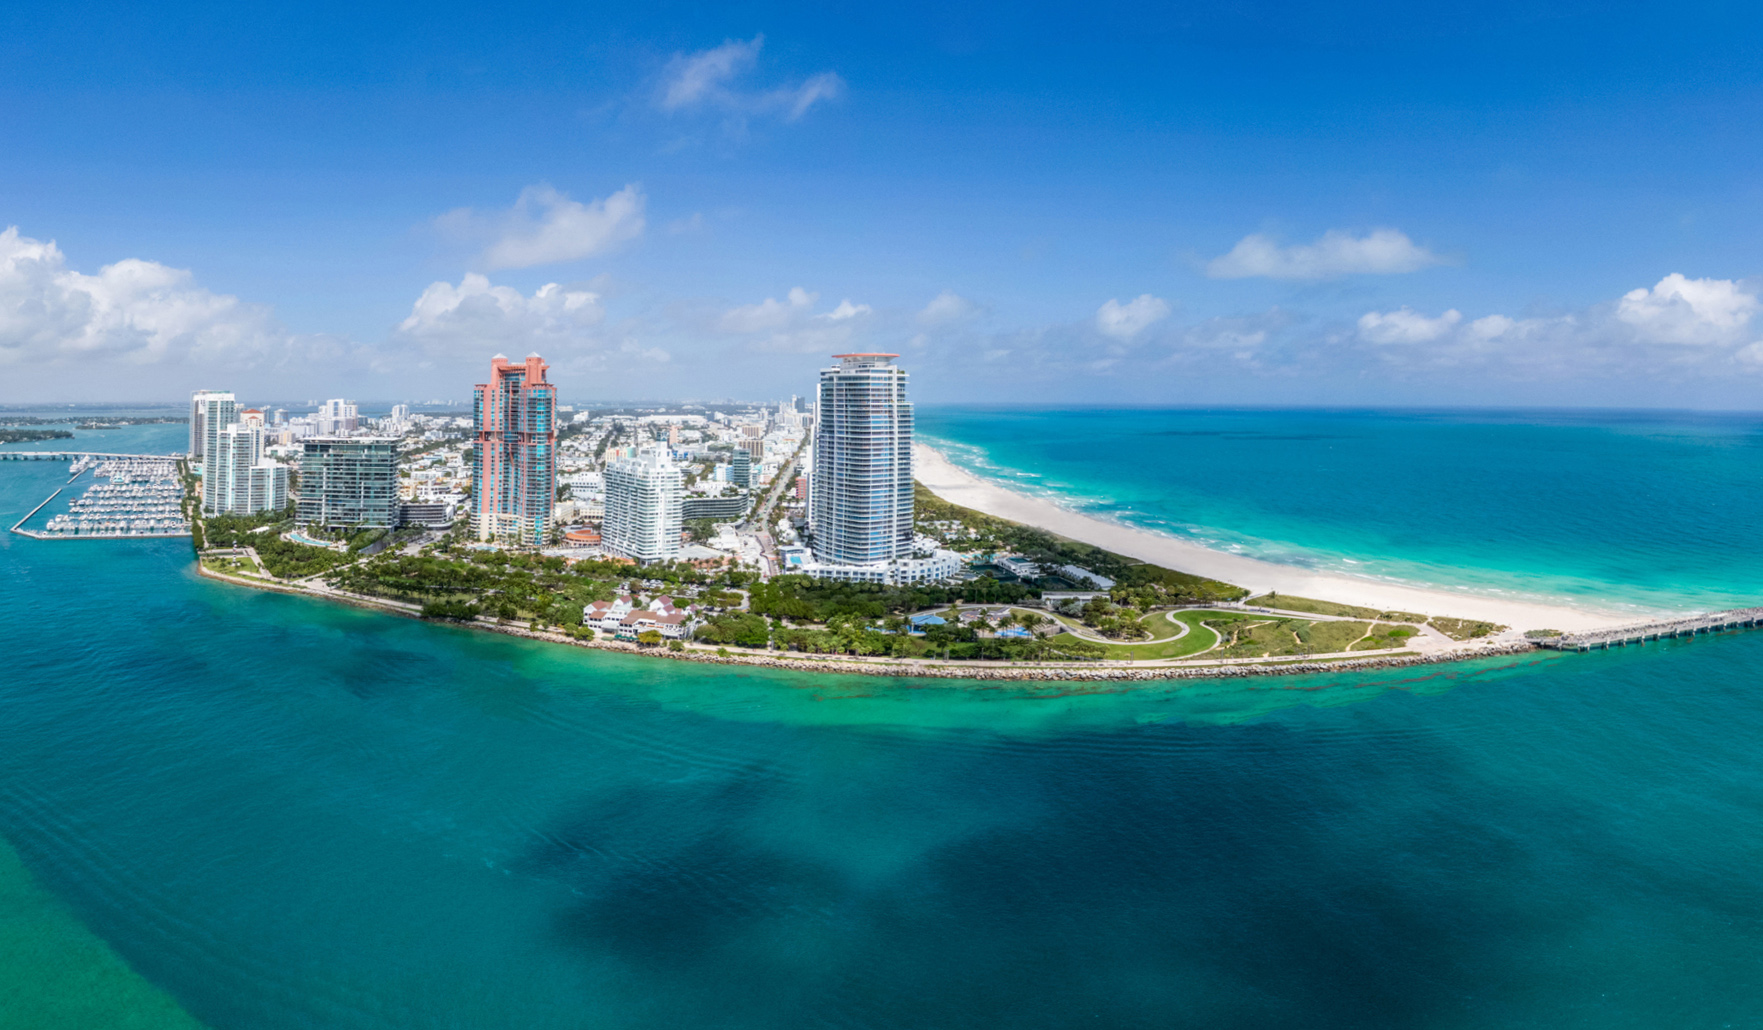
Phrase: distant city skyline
(1364, 204)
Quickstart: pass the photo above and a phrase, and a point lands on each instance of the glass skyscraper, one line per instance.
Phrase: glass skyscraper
(860, 507)
(514, 459)
(349, 482)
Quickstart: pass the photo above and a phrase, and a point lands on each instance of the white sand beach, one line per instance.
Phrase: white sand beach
(958, 486)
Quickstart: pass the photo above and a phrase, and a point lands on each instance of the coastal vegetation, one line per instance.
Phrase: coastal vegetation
(1137, 584)
(33, 435)
(1148, 613)
(284, 559)
(1456, 629)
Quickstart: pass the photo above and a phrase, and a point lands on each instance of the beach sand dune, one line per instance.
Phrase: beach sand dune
(958, 486)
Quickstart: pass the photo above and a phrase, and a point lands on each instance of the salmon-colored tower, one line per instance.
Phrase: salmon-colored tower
(514, 464)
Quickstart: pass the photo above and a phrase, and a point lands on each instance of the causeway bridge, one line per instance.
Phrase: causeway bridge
(1689, 626)
(6, 455)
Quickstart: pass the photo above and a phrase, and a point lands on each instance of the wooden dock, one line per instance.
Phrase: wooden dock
(1689, 626)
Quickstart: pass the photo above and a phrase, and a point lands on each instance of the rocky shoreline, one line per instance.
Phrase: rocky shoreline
(977, 670)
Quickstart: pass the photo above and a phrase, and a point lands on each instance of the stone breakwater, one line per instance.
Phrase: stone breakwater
(911, 670)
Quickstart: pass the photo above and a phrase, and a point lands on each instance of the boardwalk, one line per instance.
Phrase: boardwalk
(1738, 618)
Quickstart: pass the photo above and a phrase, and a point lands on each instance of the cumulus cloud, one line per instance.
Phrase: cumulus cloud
(134, 312)
(792, 326)
(1337, 253)
(1696, 312)
(768, 313)
(1125, 321)
(546, 227)
(476, 314)
(707, 79)
(1406, 326)
(946, 308)
(846, 310)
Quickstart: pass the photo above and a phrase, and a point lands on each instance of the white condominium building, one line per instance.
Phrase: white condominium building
(860, 512)
(210, 412)
(644, 501)
(227, 470)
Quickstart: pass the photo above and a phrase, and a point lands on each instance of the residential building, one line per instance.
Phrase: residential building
(514, 472)
(644, 507)
(268, 486)
(720, 508)
(337, 418)
(740, 469)
(861, 511)
(860, 507)
(210, 412)
(434, 513)
(349, 482)
(226, 469)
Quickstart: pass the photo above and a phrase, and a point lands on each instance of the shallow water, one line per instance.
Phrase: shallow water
(290, 814)
(1645, 511)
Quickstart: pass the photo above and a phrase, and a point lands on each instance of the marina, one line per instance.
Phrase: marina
(132, 496)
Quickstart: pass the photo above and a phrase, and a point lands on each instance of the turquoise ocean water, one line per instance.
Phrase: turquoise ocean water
(1640, 511)
(281, 813)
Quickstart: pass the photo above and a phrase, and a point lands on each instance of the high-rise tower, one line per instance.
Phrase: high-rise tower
(210, 412)
(514, 461)
(860, 511)
(644, 507)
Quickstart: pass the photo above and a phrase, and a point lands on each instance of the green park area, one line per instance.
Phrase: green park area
(1456, 629)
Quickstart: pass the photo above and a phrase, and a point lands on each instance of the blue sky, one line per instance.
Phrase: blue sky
(1242, 203)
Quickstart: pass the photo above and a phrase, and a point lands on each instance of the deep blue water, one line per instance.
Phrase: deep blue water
(1648, 511)
(289, 814)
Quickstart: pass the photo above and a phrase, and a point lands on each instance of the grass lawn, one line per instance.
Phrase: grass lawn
(231, 566)
(1306, 604)
(1273, 637)
(1199, 638)
(1456, 629)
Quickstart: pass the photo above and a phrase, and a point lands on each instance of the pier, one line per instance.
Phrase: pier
(1689, 626)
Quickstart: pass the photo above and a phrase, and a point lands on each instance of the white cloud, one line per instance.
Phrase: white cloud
(844, 311)
(693, 78)
(1689, 311)
(1406, 326)
(1490, 327)
(792, 326)
(707, 79)
(825, 86)
(768, 313)
(1125, 321)
(947, 307)
(546, 227)
(1337, 253)
(477, 315)
(133, 312)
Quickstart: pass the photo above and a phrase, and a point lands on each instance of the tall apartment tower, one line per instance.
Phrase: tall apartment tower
(210, 412)
(514, 461)
(348, 482)
(860, 510)
(226, 469)
(645, 503)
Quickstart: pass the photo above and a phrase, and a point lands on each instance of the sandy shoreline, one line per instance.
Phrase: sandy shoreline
(958, 486)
